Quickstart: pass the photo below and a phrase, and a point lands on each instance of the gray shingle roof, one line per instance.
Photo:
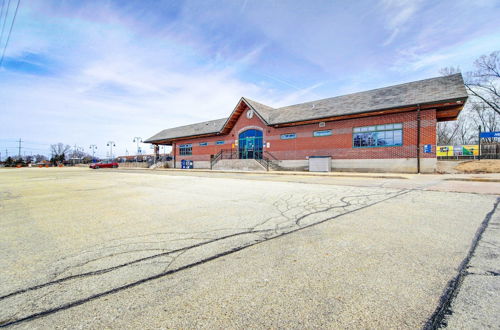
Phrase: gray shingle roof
(418, 92)
(264, 111)
(206, 127)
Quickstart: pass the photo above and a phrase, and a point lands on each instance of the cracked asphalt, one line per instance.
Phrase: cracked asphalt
(130, 249)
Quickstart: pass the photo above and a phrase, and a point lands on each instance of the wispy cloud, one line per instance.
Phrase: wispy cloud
(397, 14)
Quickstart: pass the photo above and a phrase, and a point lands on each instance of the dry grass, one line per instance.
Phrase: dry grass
(480, 166)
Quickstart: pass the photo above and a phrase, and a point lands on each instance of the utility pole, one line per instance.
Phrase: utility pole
(93, 147)
(20, 141)
(111, 144)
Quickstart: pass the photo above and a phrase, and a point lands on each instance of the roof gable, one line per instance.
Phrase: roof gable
(262, 111)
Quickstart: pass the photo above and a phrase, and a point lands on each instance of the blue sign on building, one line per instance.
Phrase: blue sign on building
(489, 135)
(427, 148)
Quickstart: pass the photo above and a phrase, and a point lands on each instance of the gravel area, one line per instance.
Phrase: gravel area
(125, 249)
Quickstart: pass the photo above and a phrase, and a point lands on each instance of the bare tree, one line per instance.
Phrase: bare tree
(483, 107)
(446, 132)
(484, 82)
(78, 153)
(456, 132)
(484, 116)
(464, 131)
(449, 70)
(59, 152)
(39, 158)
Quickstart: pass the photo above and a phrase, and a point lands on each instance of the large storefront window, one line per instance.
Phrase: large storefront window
(378, 136)
(186, 149)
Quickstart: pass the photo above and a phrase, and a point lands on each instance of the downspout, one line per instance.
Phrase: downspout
(418, 139)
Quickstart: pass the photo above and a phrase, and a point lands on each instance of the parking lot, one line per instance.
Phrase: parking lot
(143, 249)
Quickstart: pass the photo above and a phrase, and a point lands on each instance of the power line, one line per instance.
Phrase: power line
(10, 32)
(1, 11)
(4, 21)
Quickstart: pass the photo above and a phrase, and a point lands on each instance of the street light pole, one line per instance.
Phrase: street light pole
(137, 140)
(93, 147)
(111, 144)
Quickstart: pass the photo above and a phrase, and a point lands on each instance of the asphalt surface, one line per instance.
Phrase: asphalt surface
(476, 302)
(130, 249)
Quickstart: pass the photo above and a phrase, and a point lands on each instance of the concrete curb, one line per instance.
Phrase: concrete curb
(327, 174)
(473, 179)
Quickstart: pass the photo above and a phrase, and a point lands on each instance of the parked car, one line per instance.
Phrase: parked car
(104, 164)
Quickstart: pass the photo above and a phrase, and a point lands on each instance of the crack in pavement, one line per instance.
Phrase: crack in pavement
(438, 318)
(294, 213)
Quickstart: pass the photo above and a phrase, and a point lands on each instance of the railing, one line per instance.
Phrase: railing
(262, 160)
(223, 154)
(234, 154)
(270, 155)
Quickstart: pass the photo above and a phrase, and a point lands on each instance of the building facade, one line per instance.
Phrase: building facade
(388, 129)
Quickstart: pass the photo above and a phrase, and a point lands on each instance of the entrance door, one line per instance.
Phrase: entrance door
(250, 144)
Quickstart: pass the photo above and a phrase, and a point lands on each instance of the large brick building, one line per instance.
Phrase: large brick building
(386, 129)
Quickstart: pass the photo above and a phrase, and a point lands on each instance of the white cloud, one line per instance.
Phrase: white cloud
(116, 84)
(397, 14)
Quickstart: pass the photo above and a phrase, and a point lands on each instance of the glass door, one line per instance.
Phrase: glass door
(250, 144)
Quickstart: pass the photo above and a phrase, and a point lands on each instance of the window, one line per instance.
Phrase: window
(378, 136)
(186, 149)
(203, 144)
(288, 136)
(219, 142)
(323, 133)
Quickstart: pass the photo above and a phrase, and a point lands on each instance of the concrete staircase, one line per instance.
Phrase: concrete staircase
(238, 165)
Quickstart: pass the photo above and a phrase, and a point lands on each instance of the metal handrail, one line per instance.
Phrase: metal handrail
(267, 153)
(234, 154)
(215, 159)
(223, 154)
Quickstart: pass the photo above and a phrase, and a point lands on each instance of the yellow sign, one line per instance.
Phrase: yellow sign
(463, 150)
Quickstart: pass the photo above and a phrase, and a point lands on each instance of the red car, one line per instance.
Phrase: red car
(104, 164)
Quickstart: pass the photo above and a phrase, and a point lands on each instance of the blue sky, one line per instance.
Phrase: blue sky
(87, 72)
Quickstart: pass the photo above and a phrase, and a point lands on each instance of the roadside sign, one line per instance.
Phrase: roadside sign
(489, 134)
(427, 148)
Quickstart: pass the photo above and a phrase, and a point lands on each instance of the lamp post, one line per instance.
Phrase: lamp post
(93, 147)
(137, 140)
(111, 144)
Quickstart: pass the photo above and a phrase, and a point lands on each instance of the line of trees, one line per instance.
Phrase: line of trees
(482, 108)
(13, 160)
(61, 153)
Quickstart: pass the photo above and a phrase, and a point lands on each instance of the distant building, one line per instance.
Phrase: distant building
(386, 129)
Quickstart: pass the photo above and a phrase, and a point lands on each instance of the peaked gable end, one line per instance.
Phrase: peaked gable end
(243, 106)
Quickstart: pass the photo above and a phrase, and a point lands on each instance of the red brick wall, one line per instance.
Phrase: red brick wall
(338, 145)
